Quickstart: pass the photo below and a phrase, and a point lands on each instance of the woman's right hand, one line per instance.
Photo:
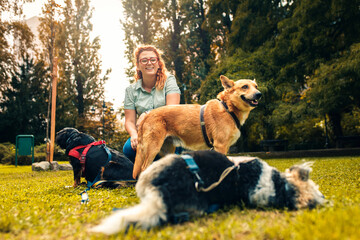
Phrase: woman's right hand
(134, 141)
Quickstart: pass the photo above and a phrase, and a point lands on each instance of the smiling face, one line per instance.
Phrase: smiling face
(148, 68)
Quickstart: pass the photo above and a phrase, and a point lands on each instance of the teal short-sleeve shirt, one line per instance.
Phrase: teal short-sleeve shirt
(139, 99)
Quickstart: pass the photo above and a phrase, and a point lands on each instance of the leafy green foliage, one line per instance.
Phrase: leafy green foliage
(255, 23)
(315, 51)
(11, 31)
(303, 55)
(79, 65)
(141, 25)
(339, 75)
(23, 108)
(42, 207)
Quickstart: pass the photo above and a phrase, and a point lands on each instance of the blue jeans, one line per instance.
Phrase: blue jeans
(128, 151)
(131, 153)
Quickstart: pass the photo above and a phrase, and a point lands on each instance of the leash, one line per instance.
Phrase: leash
(84, 194)
(119, 182)
(199, 183)
(194, 169)
(222, 177)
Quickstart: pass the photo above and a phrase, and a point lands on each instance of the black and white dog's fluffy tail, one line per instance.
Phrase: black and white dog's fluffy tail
(150, 212)
(167, 188)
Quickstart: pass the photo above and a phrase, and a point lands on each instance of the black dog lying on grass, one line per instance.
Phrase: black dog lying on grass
(96, 159)
(168, 189)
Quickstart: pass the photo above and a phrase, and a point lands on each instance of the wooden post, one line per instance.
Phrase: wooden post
(53, 110)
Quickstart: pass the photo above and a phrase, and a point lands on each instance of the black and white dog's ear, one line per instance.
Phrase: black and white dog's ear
(301, 172)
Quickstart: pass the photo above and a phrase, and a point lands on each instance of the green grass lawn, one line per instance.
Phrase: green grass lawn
(38, 205)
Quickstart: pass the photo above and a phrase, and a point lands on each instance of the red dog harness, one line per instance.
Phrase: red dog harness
(82, 157)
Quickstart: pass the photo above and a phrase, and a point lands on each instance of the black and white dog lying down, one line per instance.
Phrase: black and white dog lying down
(118, 168)
(166, 188)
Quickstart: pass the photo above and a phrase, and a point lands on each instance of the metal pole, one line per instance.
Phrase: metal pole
(103, 118)
(326, 134)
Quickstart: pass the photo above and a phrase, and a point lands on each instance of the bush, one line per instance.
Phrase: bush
(7, 154)
(7, 151)
(117, 140)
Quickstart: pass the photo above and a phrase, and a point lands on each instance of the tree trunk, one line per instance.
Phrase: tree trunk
(335, 124)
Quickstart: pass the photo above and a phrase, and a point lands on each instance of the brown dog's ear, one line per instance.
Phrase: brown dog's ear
(226, 83)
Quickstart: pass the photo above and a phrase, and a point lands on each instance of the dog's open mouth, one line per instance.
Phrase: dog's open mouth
(251, 102)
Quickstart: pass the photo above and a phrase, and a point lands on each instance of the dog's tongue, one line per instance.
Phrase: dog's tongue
(255, 102)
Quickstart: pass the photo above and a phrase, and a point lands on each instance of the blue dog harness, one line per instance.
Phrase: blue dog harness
(194, 169)
(199, 183)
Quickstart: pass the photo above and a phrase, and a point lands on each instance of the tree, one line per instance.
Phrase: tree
(23, 108)
(220, 18)
(179, 29)
(15, 39)
(309, 43)
(80, 66)
(340, 79)
(255, 22)
(49, 30)
(172, 39)
(142, 25)
(246, 33)
(196, 49)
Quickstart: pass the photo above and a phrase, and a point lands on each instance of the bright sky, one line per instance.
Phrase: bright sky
(106, 25)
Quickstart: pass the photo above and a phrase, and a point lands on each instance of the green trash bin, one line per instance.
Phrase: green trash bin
(24, 147)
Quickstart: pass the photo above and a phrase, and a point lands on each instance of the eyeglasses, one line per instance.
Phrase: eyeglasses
(153, 60)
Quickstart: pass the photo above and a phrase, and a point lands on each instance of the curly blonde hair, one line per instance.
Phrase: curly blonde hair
(161, 73)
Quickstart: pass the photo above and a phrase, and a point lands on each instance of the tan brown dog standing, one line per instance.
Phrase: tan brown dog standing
(183, 122)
